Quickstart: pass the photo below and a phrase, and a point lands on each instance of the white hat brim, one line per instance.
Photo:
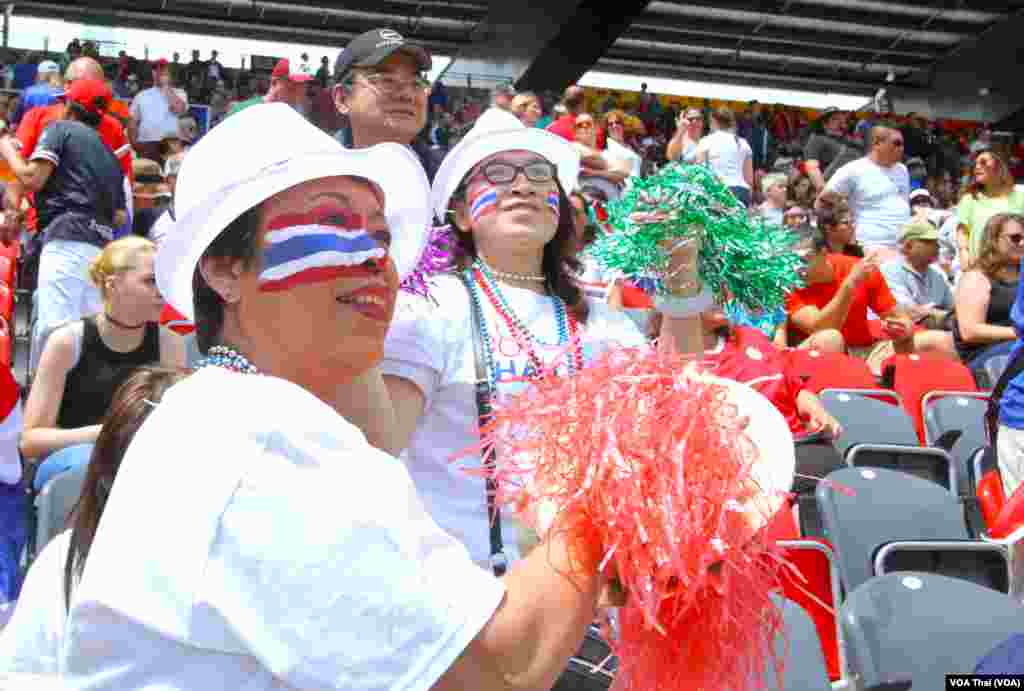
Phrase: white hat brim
(775, 467)
(391, 166)
(473, 149)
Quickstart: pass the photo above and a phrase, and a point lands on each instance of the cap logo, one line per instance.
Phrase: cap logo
(390, 35)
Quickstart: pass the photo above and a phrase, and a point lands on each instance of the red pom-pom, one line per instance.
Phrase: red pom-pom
(655, 469)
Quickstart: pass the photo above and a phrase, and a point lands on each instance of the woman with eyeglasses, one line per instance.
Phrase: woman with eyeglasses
(835, 219)
(983, 328)
(510, 313)
(990, 191)
(689, 130)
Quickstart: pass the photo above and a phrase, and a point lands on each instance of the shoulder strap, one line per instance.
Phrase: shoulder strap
(499, 562)
(1014, 367)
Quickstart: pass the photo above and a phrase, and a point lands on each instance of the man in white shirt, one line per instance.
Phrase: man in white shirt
(878, 188)
(156, 111)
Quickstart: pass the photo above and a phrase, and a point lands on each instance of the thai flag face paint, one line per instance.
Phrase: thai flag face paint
(483, 202)
(554, 203)
(322, 245)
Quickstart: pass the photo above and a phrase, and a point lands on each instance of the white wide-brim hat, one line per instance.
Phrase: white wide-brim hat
(774, 469)
(266, 149)
(495, 131)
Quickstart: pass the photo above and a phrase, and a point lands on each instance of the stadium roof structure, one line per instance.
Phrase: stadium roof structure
(856, 46)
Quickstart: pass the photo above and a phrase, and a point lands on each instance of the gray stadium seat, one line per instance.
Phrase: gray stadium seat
(934, 465)
(922, 626)
(800, 651)
(865, 508)
(867, 420)
(959, 418)
(982, 563)
(54, 502)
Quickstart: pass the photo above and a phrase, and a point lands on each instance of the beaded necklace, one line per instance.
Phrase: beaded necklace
(479, 281)
(227, 358)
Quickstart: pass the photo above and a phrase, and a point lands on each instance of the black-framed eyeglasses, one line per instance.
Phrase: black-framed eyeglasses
(503, 172)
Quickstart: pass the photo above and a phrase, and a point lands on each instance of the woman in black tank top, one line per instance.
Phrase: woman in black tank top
(84, 362)
(983, 328)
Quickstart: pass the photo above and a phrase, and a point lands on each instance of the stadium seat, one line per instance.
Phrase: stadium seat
(989, 375)
(865, 508)
(54, 503)
(803, 666)
(8, 271)
(822, 370)
(914, 376)
(815, 587)
(986, 487)
(922, 626)
(176, 321)
(934, 465)
(6, 302)
(6, 343)
(955, 421)
(868, 420)
(982, 563)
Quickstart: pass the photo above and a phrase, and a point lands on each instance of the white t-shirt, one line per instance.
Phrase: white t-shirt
(618, 151)
(32, 639)
(879, 198)
(254, 540)
(727, 153)
(432, 346)
(153, 114)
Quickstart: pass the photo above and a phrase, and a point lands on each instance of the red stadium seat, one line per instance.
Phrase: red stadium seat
(6, 344)
(830, 370)
(992, 499)
(8, 269)
(11, 251)
(176, 321)
(915, 376)
(6, 302)
(815, 586)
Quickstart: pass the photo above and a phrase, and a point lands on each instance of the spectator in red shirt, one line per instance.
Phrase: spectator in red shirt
(839, 291)
(111, 132)
(565, 126)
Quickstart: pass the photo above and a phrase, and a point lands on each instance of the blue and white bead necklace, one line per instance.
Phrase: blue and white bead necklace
(227, 358)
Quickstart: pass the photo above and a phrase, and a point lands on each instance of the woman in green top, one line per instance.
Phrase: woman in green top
(992, 191)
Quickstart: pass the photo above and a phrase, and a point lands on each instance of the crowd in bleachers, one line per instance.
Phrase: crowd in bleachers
(895, 366)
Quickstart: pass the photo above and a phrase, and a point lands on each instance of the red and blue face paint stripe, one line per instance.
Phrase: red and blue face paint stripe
(483, 202)
(554, 203)
(312, 252)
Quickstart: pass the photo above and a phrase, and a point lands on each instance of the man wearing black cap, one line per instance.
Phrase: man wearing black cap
(382, 91)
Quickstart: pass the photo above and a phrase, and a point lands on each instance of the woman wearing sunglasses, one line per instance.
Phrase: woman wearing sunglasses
(510, 313)
(689, 130)
(983, 328)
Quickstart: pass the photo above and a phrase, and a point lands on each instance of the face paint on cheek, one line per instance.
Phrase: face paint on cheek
(299, 251)
(483, 202)
(554, 203)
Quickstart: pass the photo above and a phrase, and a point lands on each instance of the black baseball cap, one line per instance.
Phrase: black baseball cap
(374, 47)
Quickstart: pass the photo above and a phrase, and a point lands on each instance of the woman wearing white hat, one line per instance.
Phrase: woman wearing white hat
(511, 312)
(253, 538)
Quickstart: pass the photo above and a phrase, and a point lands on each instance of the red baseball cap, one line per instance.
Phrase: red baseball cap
(92, 94)
(161, 63)
(283, 70)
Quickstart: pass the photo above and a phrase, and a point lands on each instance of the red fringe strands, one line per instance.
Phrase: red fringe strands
(649, 462)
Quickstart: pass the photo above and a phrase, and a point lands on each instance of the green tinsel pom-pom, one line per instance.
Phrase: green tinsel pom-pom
(755, 261)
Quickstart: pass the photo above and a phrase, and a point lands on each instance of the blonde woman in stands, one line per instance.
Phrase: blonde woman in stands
(84, 361)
